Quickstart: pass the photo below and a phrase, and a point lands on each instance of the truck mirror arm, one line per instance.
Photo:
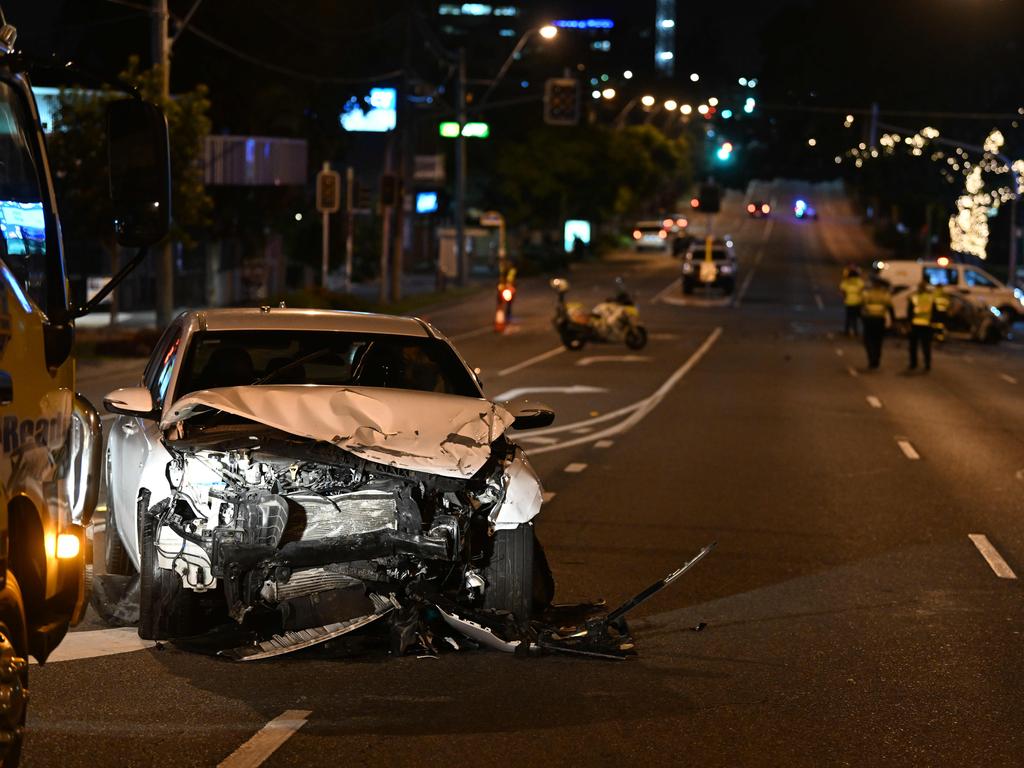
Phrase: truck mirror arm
(73, 313)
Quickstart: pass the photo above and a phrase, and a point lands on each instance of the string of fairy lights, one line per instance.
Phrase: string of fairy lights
(987, 177)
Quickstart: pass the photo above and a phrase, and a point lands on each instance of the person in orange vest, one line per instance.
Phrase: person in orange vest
(920, 307)
(852, 288)
(506, 293)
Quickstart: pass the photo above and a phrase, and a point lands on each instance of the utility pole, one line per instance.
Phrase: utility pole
(461, 256)
(162, 59)
(350, 223)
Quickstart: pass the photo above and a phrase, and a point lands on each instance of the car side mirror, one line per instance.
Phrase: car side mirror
(140, 172)
(529, 415)
(131, 401)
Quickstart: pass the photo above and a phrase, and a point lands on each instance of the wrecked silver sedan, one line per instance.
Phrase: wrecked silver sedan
(302, 473)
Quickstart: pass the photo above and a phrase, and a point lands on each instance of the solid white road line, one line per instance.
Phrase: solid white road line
(472, 334)
(874, 402)
(531, 361)
(992, 556)
(604, 443)
(745, 285)
(575, 389)
(99, 642)
(673, 287)
(267, 740)
(908, 450)
(645, 406)
(852, 371)
(575, 468)
(536, 439)
(585, 361)
(548, 496)
(818, 301)
(1007, 378)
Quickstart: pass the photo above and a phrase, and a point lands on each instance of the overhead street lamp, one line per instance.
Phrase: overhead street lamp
(547, 32)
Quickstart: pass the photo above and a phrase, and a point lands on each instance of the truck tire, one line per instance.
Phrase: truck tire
(115, 556)
(166, 608)
(13, 673)
(509, 575)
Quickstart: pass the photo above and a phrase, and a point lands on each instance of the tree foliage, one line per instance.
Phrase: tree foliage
(77, 149)
(593, 172)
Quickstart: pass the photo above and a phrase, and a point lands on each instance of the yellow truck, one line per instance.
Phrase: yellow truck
(49, 436)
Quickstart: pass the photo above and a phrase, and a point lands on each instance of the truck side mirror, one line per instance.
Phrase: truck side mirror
(140, 172)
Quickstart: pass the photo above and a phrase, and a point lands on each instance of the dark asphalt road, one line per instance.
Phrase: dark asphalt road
(850, 619)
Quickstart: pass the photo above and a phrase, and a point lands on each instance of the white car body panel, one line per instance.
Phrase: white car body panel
(905, 275)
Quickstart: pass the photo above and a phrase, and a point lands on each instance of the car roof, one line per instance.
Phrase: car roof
(288, 319)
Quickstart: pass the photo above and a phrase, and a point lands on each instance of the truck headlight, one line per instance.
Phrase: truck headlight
(687, 267)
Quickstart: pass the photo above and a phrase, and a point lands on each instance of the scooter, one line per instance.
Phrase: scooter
(615, 320)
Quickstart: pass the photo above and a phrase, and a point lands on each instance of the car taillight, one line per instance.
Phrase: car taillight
(681, 222)
(663, 234)
(765, 208)
(751, 208)
(637, 234)
(694, 202)
(666, 223)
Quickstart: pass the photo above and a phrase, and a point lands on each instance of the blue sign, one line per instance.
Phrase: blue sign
(426, 202)
(376, 113)
(584, 24)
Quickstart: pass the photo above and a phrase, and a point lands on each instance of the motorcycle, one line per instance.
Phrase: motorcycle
(614, 320)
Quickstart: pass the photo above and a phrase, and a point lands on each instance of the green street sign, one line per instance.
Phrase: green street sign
(450, 130)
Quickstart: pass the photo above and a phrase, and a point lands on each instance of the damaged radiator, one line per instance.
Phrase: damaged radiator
(305, 582)
(320, 517)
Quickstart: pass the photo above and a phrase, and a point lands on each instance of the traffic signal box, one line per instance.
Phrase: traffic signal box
(710, 198)
(562, 101)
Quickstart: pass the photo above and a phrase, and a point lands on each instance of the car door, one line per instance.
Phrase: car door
(133, 439)
(982, 287)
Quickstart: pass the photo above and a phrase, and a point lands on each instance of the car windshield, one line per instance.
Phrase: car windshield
(335, 358)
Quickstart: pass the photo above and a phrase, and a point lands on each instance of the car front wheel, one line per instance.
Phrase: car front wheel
(166, 609)
(518, 577)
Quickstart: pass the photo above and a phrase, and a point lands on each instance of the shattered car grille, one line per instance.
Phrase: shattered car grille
(312, 516)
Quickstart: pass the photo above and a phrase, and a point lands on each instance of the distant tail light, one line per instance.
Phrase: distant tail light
(667, 223)
(766, 208)
(681, 223)
(637, 234)
(663, 234)
(751, 208)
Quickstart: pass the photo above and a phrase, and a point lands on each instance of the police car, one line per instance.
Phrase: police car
(710, 263)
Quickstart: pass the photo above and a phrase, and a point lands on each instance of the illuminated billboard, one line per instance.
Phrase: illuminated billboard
(375, 113)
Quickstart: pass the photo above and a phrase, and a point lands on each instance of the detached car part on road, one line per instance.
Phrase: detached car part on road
(297, 470)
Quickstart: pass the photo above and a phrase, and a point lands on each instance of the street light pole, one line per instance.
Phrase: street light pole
(162, 58)
(461, 256)
(548, 32)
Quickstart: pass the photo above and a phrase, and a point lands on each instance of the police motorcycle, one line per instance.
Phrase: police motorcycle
(615, 320)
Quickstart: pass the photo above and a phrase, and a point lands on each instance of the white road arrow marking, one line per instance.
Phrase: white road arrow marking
(613, 359)
(576, 389)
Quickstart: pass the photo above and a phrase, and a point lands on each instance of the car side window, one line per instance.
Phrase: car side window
(161, 365)
(974, 278)
(940, 275)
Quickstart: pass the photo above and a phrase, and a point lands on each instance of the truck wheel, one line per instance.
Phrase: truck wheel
(509, 575)
(13, 674)
(115, 556)
(636, 337)
(166, 609)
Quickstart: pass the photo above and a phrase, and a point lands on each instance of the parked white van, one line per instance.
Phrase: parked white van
(974, 283)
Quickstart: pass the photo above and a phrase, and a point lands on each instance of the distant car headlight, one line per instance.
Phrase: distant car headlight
(995, 311)
(687, 267)
(1018, 294)
(727, 269)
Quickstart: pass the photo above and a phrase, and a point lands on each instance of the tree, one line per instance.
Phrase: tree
(77, 150)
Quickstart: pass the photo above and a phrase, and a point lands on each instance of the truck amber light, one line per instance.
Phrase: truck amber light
(68, 546)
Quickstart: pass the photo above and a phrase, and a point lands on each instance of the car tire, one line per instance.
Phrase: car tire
(687, 286)
(636, 337)
(166, 608)
(115, 556)
(13, 673)
(572, 342)
(510, 572)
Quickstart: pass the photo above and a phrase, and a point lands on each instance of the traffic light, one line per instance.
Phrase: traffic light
(328, 190)
(709, 200)
(390, 189)
(561, 101)
(724, 151)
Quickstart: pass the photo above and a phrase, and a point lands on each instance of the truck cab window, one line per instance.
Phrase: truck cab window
(24, 240)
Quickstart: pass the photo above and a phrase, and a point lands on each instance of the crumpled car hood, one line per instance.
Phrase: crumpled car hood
(430, 432)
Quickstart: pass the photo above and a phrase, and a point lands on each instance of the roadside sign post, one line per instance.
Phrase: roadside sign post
(350, 222)
(328, 186)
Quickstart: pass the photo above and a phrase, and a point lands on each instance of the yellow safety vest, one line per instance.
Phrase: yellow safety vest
(853, 289)
(922, 303)
(941, 301)
(876, 302)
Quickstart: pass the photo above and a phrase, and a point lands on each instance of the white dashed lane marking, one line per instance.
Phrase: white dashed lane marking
(1007, 378)
(530, 361)
(604, 443)
(548, 496)
(267, 740)
(576, 467)
(992, 556)
(908, 449)
(874, 402)
(852, 371)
